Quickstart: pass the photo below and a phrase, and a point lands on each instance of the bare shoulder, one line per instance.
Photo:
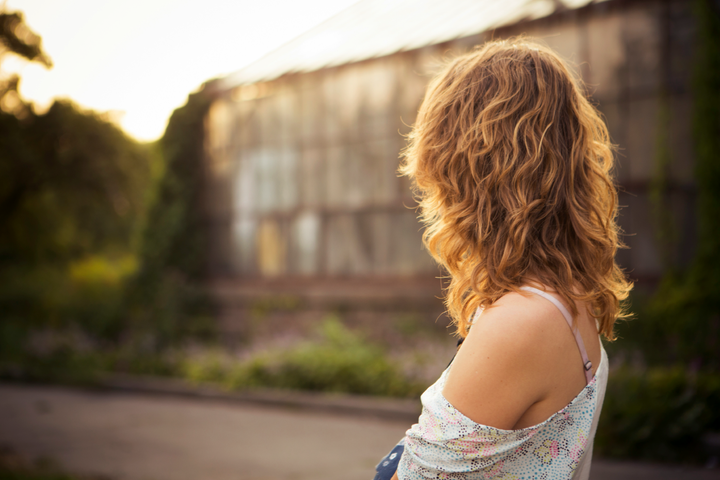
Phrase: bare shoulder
(500, 370)
(523, 318)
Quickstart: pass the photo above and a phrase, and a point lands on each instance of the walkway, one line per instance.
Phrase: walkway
(141, 437)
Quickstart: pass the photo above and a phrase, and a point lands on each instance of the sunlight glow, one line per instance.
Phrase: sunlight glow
(139, 59)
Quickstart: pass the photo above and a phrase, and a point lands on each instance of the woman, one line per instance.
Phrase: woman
(511, 165)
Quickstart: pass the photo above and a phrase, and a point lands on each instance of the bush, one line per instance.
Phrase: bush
(96, 285)
(669, 329)
(85, 293)
(339, 361)
(661, 414)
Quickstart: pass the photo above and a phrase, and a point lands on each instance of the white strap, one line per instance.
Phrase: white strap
(587, 364)
(478, 311)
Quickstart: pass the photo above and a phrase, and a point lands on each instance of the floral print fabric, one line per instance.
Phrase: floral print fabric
(445, 444)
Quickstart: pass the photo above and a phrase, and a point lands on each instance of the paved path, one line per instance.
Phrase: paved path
(139, 437)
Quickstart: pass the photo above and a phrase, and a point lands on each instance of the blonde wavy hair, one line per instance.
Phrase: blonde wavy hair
(511, 165)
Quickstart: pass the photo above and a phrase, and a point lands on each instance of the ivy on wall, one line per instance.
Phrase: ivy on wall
(685, 311)
(166, 297)
(706, 129)
(665, 228)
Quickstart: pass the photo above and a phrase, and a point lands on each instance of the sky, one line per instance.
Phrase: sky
(139, 59)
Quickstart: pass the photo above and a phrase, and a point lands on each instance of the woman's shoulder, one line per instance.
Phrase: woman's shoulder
(503, 366)
(518, 321)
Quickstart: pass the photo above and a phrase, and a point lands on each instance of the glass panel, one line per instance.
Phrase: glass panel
(271, 248)
(334, 177)
(345, 252)
(307, 238)
(265, 163)
(409, 256)
(244, 241)
(312, 178)
(380, 227)
(288, 179)
(244, 193)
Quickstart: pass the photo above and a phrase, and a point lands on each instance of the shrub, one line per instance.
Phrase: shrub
(338, 361)
(659, 414)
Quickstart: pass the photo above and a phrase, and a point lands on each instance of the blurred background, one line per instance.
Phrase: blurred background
(263, 239)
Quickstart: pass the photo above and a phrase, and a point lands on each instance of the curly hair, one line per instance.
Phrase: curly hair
(511, 166)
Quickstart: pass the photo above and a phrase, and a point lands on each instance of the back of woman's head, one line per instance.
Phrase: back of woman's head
(511, 164)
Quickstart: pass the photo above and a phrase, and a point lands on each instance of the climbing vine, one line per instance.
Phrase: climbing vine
(665, 228)
(166, 297)
(686, 307)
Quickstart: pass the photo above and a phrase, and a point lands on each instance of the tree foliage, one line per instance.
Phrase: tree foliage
(71, 184)
(73, 191)
(17, 38)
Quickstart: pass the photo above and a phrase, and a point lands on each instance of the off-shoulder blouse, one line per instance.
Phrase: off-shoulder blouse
(445, 444)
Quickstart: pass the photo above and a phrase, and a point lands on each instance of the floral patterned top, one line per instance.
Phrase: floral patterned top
(445, 444)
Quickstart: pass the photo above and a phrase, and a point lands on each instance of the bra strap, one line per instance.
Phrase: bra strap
(587, 364)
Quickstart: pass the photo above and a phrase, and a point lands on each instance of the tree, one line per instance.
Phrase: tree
(17, 38)
(73, 187)
(70, 182)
